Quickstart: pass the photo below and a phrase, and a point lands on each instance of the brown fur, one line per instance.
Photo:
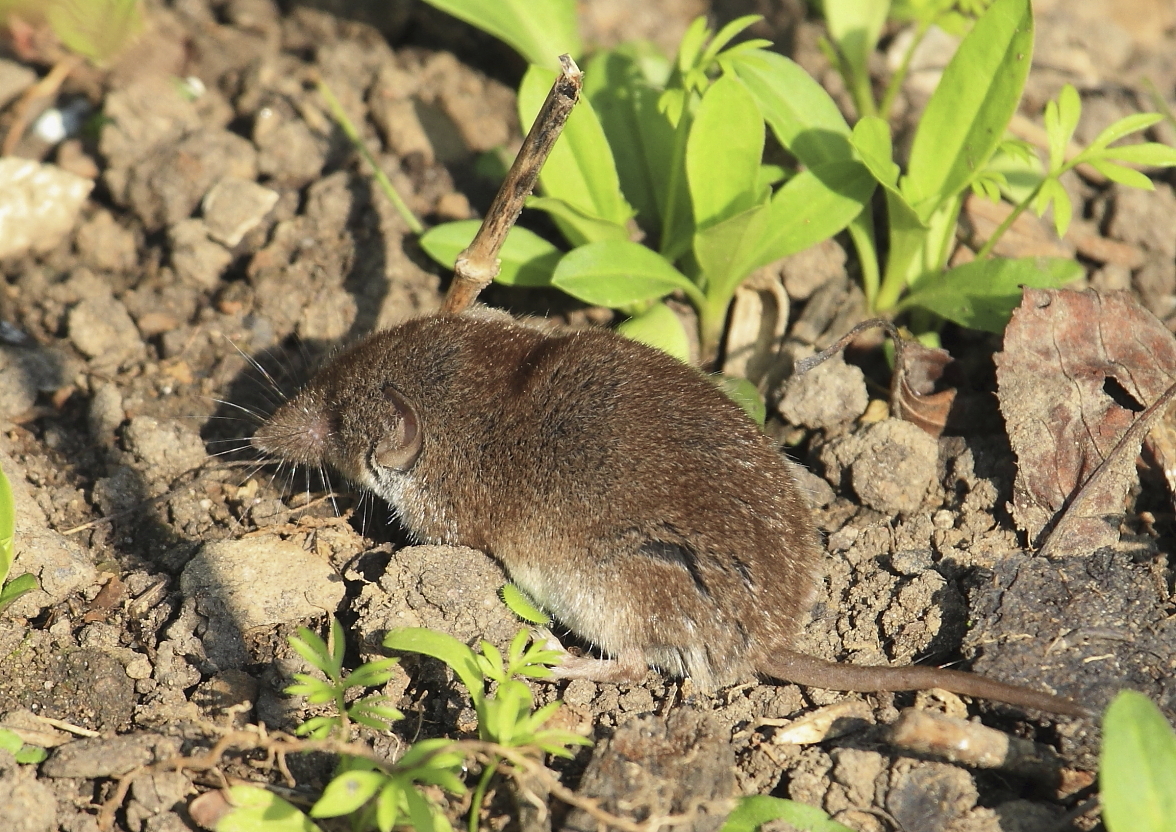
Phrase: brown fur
(618, 487)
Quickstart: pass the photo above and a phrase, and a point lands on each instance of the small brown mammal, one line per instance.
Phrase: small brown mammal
(617, 486)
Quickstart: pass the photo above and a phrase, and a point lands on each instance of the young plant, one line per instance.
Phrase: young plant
(1137, 772)
(10, 590)
(959, 135)
(377, 796)
(752, 812)
(506, 717)
(672, 152)
(328, 659)
(675, 148)
(11, 742)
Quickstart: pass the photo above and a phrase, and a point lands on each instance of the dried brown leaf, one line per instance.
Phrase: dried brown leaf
(1075, 369)
(914, 395)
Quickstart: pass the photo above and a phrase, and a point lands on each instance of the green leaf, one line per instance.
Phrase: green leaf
(1123, 127)
(522, 606)
(526, 259)
(966, 117)
(388, 806)
(310, 646)
(258, 810)
(1152, 154)
(444, 647)
(31, 755)
(580, 169)
(95, 29)
(855, 27)
(814, 205)
(7, 527)
(370, 674)
(982, 294)
(803, 117)
(1052, 191)
(723, 152)
(753, 812)
(871, 139)
(579, 227)
(617, 273)
(660, 328)
(1061, 119)
(724, 36)
(624, 85)
(1137, 773)
(540, 32)
(9, 741)
(731, 250)
(15, 588)
(1122, 175)
(347, 792)
(423, 814)
(744, 393)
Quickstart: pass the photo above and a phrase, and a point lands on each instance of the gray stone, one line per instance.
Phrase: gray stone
(262, 581)
(39, 204)
(101, 328)
(233, 207)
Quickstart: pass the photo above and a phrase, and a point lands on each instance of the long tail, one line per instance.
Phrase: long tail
(819, 673)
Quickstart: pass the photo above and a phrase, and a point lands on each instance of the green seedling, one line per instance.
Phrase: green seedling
(348, 128)
(959, 146)
(753, 812)
(25, 754)
(854, 27)
(377, 796)
(1137, 772)
(14, 589)
(671, 151)
(659, 184)
(506, 717)
(368, 710)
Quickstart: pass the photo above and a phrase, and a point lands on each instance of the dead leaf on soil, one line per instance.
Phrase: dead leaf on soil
(1075, 370)
(919, 390)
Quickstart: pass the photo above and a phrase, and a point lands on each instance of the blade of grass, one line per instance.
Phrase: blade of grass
(385, 183)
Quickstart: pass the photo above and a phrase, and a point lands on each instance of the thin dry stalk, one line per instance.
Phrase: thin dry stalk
(478, 264)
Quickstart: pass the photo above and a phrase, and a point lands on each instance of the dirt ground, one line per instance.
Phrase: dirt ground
(221, 217)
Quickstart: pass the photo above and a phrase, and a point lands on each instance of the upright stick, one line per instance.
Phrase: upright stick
(478, 264)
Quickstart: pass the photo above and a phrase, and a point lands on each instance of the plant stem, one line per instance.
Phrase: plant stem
(480, 793)
(861, 231)
(385, 183)
(986, 250)
(900, 75)
(478, 264)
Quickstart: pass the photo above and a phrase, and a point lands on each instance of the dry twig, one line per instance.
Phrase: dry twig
(478, 264)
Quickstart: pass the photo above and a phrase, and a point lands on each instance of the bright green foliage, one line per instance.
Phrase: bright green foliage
(369, 710)
(1137, 773)
(539, 30)
(14, 745)
(753, 812)
(522, 606)
(260, 810)
(95, 29)
(17, 587)
(507, 717)
(382, 797)
(676, 147)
